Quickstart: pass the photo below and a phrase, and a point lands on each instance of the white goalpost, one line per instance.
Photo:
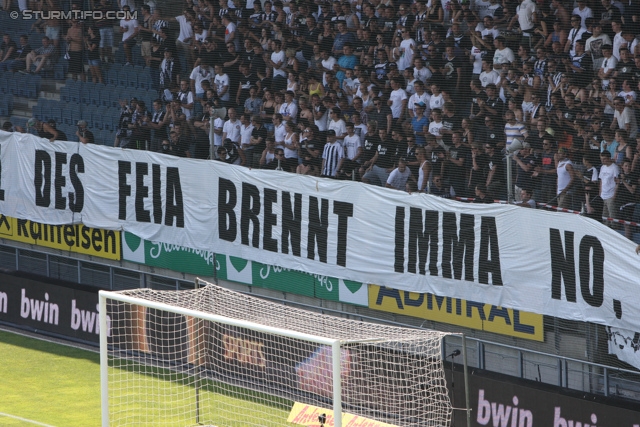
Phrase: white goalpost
(215, 357)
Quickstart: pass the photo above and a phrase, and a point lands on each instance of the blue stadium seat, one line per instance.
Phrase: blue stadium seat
(124, 93)
(35, 40)
(31, 86)
(136, 55)
(4, 85)
(132, 78)
(54, 112)
(58, 72)
(107, 119)
(14, 84)
(65, 94)
(4, 107)
(112, 98)
(74, 94)
(123, 78)
(9, 99)
(79, 112)
(71, 83)
(119, 55)
(96, 95)
(112, 76)
(67, 113)
(97, 118)
(107, 137)
(105, 94)
(36, 111)
(19, 121)
(144, 79)
(88, 90)
(150, 96)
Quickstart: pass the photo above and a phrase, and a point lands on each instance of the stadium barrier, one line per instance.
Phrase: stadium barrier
(498, 400)
(53, 307)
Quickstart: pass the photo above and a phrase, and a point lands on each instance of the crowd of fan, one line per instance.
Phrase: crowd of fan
(423, 96)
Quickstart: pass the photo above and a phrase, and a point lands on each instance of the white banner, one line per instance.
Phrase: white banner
(625, 345)
(542, 262)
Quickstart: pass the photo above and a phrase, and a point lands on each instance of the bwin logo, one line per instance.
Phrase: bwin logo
(502, 415)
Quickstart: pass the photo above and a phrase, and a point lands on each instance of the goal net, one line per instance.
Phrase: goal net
(212, 356)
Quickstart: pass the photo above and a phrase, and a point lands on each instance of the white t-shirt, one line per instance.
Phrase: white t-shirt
(231, 28)
(525, 12)
(186, 30)
(279, 57)
(245, 135)
(289, 110)
(489, 77)
(415, 98)
(434, 128)
(503, 56)
(493, 31)
(218, 123)
(232, 129)
(397, 96)
(406, 60)
(574, 35)
(186, 98)
(608, 64)
(130, 27)
(436, 102)
(628, 97)
(279, 133)
(397, 179)
(627, 116)
(351, 145)
(361, 130)
(220, 81)
(423, 74)
(607, 177)
(583, 14)
(327, 64)
(199, 74)
(481, 8)
(339, 126)
(563, 175)
(476, 54)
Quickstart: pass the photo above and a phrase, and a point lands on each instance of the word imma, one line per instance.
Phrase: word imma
(421, 235)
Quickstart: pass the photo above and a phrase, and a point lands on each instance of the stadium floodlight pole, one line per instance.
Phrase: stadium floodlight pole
(104, 360)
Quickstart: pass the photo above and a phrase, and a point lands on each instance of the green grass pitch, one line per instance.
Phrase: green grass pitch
(48, 384)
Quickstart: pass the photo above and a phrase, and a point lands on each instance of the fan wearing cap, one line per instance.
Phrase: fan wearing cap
(84, 135)
(46, 130)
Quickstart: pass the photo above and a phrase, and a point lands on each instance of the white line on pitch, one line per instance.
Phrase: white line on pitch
(25, 420)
